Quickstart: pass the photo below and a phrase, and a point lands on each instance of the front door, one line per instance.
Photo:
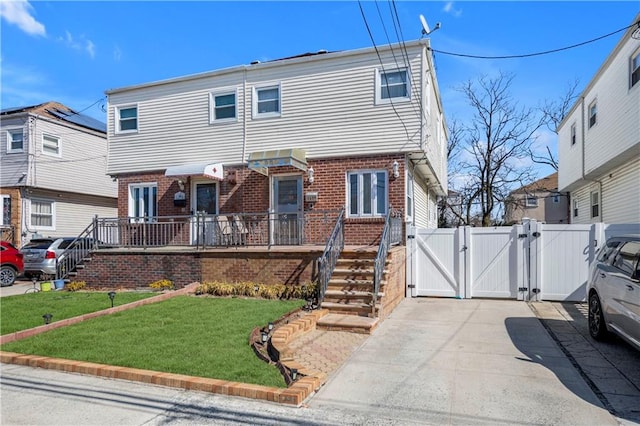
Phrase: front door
(204, 205)
(287, 217)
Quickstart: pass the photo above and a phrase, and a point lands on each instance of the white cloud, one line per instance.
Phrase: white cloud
(117, 54)
(18, 12)
(448, 8)
(82, 44)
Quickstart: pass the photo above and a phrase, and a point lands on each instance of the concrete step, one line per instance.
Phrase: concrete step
(351, 323)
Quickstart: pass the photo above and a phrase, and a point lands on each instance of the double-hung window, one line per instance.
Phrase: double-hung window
(266, 101)
(126, 119)
(223, 107)
(635, 68)
(531, 201)
(15, 141)
(367, 193)
(392, 86)
(51, 145)
(595, 204)
(573, 134)
(143, 201)
(575, 208)
(593, 114)
(42, 214)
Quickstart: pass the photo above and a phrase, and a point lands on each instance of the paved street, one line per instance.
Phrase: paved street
(433, 361)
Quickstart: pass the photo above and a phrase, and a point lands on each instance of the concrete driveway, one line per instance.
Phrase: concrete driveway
(448, 361)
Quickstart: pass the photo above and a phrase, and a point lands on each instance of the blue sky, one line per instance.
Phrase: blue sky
(72, 52)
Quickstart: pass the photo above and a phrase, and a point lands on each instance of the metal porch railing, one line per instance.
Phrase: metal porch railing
(391, 235)
(327, 262)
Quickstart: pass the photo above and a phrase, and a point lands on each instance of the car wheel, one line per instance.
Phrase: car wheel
(7, 276)
(597, 326)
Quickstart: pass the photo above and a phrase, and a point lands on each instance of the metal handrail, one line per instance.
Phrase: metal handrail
(80, 247)
(390, 235)
(327, 262)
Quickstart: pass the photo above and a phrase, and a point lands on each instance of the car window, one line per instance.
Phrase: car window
(606, 251)
(38, 244)
(64, 244)
(627, 258)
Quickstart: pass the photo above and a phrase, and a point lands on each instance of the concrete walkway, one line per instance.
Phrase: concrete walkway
(448, 361)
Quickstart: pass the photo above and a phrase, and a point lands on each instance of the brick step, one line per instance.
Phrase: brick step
(337, 282)
(349, 297)
(351, 323)
(358, 263)
(359, 309)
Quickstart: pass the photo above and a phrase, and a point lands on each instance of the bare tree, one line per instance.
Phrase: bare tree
(553, 112)
(497, 142)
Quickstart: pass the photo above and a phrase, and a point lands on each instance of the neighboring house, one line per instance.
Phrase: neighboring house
(599, 140)
(53, 177)
(539, 200)
(363, 129)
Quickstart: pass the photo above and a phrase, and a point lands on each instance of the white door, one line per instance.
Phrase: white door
(438, 259)
(286, 207)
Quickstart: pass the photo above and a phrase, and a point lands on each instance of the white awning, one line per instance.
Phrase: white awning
(262, 160)
(210, 170)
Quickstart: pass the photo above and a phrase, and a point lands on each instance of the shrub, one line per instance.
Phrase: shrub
(75, 285)
(266, 291)
(162, 285)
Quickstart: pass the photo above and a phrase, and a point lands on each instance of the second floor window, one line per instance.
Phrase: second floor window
(531, 201)
(635, 68)
(143, 201)
(367, 193)
(593, 114)
(393, 86)
(15, 141)
(223, 106)
(50, 145)
(573, 134)
(127, 119)
(266, 102)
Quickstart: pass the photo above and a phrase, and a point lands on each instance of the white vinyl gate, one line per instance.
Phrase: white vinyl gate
(532, 261)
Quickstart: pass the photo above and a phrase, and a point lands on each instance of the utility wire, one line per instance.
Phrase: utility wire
(546, 52)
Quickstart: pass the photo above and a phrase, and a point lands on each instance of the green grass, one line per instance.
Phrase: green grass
(25, 311)
(204, 337)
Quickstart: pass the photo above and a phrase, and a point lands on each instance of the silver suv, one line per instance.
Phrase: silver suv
(44, 256)
(613, 290)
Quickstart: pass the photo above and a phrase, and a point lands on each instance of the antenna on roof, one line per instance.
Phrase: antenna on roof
(425, 26)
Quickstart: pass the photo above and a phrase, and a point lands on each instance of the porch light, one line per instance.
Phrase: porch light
(181, 185)
(395, 169)
(311, 173)
(294, 374)
(112, 295)
(47, 318)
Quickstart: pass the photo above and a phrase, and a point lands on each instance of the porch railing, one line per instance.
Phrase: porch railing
(77, 251)
(327, 263)
(391, 235)
(219, 230)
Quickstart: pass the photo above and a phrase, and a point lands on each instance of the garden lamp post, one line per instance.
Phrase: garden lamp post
(47, 318)
(112, 295)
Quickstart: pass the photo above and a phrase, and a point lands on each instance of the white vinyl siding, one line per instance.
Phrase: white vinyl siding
(42, 214)
(367, 193)
(421, 204)
(15, 140)
(127, 121)
(223, 106)
(51, 145)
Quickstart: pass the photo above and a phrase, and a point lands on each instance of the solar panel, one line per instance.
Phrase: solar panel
(81, 120)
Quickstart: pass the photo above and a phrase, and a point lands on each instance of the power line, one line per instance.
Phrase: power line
(546, 52)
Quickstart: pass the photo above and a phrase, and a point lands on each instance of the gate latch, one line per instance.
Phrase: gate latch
(536, 234)
(523, 289)
(411, 286)
(535, 290)
(410, 237)
(522, 235)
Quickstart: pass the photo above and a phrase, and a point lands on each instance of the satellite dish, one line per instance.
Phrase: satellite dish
(425, 26)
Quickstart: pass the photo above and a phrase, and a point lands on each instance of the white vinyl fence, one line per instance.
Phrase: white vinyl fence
(532, 261)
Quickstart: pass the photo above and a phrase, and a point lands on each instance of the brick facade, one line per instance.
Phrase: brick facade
(246, 191)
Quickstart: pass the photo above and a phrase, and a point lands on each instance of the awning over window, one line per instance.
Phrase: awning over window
(262, 160)
(212, 171)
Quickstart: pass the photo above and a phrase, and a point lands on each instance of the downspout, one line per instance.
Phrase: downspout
(244, 113)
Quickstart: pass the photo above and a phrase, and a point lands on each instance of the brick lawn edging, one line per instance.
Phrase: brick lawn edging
(295, 394)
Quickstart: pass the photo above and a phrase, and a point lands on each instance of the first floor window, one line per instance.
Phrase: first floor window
(6, 210)
(367, 193)
(595, 204)
(575, 208)
(50, 145)
(15, 141)
(127, 119)
(42, 213)
(143, 200)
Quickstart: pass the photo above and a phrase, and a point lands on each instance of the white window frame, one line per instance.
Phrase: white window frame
(58, 152)
(573, 134)
(139, 203)
(3, 198)
(575, 208)
(118, 119)
(53, 214)
(10, 132)
(530, 201)
(397, 99)
(634, 69)
(593, 113)
(254, 99)
(594, 202)
(374, 194)
(212, 106)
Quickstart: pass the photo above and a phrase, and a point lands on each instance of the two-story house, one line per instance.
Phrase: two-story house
(363, 129)
(53, 178)
(599, 140)
(540, 200)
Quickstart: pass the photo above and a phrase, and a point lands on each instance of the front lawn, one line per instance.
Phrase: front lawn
(25, 311)
(196, 336)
